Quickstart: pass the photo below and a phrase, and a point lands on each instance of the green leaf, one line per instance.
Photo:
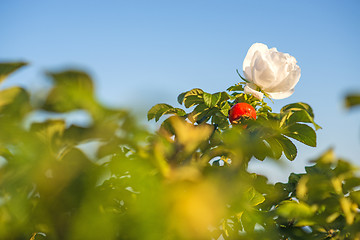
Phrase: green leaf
(355, 196)
(344, 167)
(326, 159)
(298, 106)
(50, 130)
(299, 115)
(190, 97)
(261, 150)
(255, 198)
(276, 147)
(211, 100)
(289, 148)
(238, 87)
(248, 220)
(181, 97)
(7, 68)
(220, 120)
(352, 100)
(73, 90)
(167, 125)
(73, 78)
(225, 109)
(200, 113)
(14, 101)
(350, 183)
(224, 96)
(192, 100)
(292, 209)
(161, 109)
(303, 133)
(158, 110)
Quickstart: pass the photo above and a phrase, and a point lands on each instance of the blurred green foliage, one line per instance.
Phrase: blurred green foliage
(113, 179)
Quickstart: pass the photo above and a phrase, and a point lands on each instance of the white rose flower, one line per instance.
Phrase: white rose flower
(270, 71)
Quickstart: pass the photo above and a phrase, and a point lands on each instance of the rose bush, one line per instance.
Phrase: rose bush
(112, 179)
(269, 71)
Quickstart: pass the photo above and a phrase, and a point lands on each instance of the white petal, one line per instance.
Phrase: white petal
(280, 95)
(287, 83)
(280, 62)
(262, 70)
(257, 94)
(249, 58)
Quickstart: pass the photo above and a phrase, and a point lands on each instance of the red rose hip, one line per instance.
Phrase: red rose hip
(241, 110)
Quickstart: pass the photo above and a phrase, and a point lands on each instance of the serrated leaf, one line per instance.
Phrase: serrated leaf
(265, 109)
(224, 96)
(193, 94)
(192, 100)
(303, 133)
(275, 147)
(298, 106)
(180, 98)
(157, 110)
(161, 109)
(194, 91)
(238, 87)
(211, 100)
(295, 115)
(225, 107)
(7, 68)
(220, 120)
(200, 113)
(261, 151)
(289, 148)
(167, 125)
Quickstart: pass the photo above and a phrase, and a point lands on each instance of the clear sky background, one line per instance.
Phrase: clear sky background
(145, 52)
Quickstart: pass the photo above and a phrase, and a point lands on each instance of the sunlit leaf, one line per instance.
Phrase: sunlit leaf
(346, 206)
(298, 106)
(200, 114)
(49, 131)
(237, 87)
(292, 209)
(191, 97)
(225, 109)
(15, 101)
(211, 100)
(275, 147)
(255, 197)
(73, 90)
(161, 109)
(303, 133)
(191, 136)
(300, 115)
(289, 148)
(7, 68)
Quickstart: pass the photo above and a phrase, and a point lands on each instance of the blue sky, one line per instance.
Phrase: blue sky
(144, 52)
